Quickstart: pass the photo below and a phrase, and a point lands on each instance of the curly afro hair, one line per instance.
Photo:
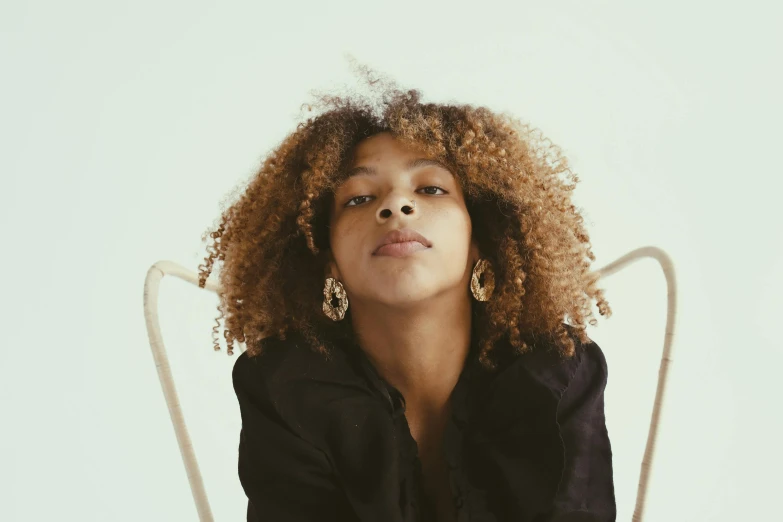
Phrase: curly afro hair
(517, 185)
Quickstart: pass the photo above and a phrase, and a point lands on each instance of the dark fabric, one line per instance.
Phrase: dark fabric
(328, 440)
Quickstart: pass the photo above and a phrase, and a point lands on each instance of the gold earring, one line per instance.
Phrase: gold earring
(483, 292)
(332, 286)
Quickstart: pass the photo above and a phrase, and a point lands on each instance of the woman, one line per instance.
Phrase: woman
(400, 273)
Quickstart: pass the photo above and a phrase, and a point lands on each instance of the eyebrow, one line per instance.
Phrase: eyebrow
(413, 164)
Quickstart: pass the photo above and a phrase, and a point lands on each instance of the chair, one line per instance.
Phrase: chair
(161, 268)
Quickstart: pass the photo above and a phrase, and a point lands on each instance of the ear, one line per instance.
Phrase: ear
(330, 269)
(475, 255)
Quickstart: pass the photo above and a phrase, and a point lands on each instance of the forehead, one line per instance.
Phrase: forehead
(384, 148)
(383, 145)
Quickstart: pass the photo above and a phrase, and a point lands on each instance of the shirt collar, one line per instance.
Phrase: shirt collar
(464, 395)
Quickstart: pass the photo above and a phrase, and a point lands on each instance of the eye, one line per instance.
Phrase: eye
(354, 199)
(433, 187)
(358, 200)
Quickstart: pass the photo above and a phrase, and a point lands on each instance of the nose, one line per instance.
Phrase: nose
(396, 204)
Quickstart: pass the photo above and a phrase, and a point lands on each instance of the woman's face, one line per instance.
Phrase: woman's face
(376, 199)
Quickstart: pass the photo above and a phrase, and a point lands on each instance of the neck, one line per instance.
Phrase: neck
(420, 350)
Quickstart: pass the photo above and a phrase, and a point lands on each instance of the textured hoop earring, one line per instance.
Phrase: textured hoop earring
(334, 288)
(482, 292)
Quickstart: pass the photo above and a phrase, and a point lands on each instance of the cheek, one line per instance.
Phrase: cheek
(343, 238)
(457, 225)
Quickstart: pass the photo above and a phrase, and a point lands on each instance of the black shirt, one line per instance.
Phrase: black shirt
(328, 440)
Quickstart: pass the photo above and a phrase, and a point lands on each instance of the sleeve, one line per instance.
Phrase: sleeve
(285, 478)
(586, 490)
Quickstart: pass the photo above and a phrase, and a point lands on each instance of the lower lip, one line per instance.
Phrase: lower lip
(400, 249)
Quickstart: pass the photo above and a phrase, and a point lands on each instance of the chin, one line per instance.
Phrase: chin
(404, 294)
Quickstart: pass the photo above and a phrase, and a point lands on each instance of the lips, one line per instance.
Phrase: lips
(403, 235)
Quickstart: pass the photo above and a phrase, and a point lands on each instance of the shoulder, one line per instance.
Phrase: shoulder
(307, 392)
(276, 355)
(284, 363)
(545, 366)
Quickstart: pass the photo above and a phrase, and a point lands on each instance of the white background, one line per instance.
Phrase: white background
(124, 125)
